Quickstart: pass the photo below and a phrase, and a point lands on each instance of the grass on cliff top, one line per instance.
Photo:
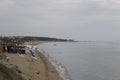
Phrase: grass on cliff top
(2, 56)
(7, 73)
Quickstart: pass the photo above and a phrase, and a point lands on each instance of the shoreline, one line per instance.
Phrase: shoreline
(61, 68)
(32, 69)
(49, 67)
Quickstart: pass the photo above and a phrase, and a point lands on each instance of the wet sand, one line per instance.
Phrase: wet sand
(32, 69)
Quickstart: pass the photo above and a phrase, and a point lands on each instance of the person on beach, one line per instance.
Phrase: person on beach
(48, 56)
(7, 58)
(32, 53)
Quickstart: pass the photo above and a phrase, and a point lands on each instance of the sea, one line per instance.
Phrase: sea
(84, 60)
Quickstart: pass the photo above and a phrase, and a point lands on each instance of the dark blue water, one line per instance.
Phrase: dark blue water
(87, 60)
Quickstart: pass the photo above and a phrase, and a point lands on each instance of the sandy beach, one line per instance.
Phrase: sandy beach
(32, 69)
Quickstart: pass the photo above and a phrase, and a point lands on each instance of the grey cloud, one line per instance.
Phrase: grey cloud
(78, 19)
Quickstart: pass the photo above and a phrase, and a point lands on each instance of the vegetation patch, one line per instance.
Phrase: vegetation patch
(8, 74)
(2, 56)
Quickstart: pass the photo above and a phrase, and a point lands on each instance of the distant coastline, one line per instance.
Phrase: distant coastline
(33, 38)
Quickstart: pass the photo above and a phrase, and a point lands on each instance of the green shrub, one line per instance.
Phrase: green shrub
(8, 74)
(2, 56)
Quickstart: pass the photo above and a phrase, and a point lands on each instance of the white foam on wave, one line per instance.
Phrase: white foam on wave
(61, 69)
(63, 72)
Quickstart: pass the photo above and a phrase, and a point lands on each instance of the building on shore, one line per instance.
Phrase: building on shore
(12, 47)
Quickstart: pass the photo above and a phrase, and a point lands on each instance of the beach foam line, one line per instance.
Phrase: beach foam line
(61, 69)
(63, 72)
(54, 74)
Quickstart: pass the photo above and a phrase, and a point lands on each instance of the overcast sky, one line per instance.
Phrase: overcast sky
(74, 19)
